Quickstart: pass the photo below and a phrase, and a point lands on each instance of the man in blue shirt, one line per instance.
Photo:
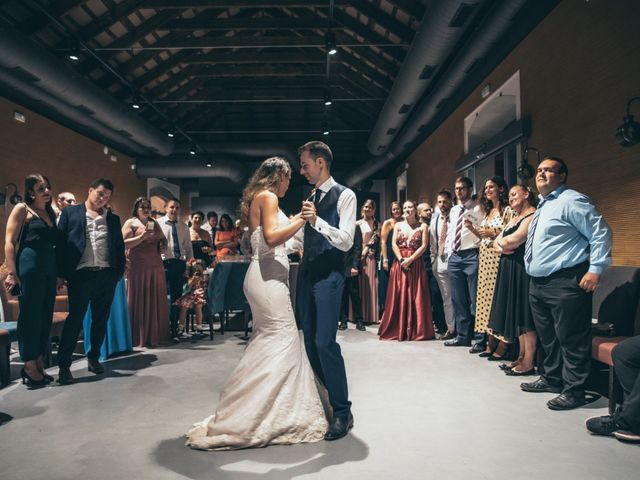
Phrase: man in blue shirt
(568, 247)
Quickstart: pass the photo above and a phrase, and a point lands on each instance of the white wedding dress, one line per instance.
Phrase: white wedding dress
(272, 397)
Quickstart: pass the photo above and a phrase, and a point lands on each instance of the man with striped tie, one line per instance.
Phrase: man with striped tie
(461, 249)
(568, 247)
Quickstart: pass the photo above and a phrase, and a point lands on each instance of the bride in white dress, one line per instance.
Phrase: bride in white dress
(272, 397)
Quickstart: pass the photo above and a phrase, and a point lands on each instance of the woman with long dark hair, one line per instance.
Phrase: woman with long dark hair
(30, 258)
(494, 204)
(386, 253)
(200, 239)
(147, 287)
(274, 375)
(226, 240)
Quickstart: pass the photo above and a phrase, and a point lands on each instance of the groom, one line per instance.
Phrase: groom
(328, 236)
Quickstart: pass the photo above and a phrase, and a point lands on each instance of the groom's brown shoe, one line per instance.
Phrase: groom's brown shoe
(339, 427)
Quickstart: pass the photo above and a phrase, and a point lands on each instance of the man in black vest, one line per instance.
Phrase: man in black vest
(328, 235)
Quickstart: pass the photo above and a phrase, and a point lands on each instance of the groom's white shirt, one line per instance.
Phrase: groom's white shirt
(341, 237)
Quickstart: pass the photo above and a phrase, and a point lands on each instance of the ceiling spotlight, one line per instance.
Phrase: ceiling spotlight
(73, 57)
(327, 99)
(331, 44)
(192, 150)
(135, 104)
(170, 134)
(209, 164)
(325, 131)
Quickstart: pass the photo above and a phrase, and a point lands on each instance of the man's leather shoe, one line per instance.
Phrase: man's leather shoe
(65, 377)
(477, 348)
(455, 343)
(342, 326)
(360, 326)
(95, 366)
(567, 401)
(448, 335)
(539, 385)
(339, 427)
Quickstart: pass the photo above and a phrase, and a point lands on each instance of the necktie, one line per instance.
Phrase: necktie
(174, 239)
(457, 242)
(316, 197)
(443, 237)
(528, 248)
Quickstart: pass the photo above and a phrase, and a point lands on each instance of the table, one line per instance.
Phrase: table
(225, 290)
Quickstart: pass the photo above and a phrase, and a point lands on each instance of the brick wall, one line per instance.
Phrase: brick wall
(578, 68)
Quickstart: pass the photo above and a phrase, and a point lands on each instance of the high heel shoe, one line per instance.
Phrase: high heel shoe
(47, 377)
(30, 382)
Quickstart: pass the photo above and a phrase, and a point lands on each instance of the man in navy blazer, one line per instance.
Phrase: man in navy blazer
(90, 255)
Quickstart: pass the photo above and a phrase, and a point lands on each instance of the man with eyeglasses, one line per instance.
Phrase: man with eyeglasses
(462, 250)
(568, 248)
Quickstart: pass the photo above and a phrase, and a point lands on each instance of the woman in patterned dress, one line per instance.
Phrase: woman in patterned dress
(494, 204)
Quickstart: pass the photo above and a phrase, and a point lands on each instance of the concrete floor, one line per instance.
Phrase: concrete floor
(421, 411)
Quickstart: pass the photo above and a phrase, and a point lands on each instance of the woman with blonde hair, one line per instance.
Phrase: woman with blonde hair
(274, 375)
(368, 278)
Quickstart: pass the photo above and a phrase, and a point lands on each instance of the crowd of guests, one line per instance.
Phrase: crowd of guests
(500, 273)
(50, 244)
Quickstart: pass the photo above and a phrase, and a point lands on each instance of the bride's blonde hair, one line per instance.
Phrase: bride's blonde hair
(266, 177)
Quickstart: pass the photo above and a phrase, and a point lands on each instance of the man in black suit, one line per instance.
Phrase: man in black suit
(351, 284)
(90, 254)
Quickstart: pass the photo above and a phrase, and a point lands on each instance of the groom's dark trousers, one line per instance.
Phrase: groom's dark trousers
(318, 309)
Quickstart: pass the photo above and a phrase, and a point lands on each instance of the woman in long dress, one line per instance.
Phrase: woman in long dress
(147, 287)
(368, 278)
(407, 313)
(386, 253)
(272, 397)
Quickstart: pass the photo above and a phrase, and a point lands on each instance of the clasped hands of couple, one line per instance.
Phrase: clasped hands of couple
(308, 212)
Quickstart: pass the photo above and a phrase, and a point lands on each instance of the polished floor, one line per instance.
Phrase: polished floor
(421, 411)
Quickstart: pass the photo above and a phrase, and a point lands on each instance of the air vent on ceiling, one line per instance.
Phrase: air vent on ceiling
(427, 72)
(85, 110)
(404, 108)
(477, 62)
(24, 75)
(462, 14)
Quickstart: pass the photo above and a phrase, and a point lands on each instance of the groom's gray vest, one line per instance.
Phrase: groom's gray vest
(320, 258)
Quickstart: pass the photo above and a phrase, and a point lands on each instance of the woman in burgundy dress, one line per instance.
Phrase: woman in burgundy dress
(407, 313)
(147, 288)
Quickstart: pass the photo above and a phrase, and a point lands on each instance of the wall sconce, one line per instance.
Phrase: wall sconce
(525, 170)
(15, 197)
(628, 134)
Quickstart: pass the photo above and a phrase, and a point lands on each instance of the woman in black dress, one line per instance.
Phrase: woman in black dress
(510, 312)
(30, 257)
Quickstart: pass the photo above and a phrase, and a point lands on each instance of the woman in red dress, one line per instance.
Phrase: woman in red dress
(407, 313)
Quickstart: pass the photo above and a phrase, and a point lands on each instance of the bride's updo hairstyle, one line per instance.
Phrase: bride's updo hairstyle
(266, 177)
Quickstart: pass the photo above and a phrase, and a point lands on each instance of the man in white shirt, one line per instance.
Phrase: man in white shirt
(174, 258)
(438, 229)
(330, 214)
(462, 252)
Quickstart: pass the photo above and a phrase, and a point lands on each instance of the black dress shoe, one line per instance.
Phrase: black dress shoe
(342, 326)
(567, 401)
(448, 335)
(95, 366)
(339, 427)
(360, 326)
(65, 377)
(455, 343)
(539, 385)
(477, 348)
